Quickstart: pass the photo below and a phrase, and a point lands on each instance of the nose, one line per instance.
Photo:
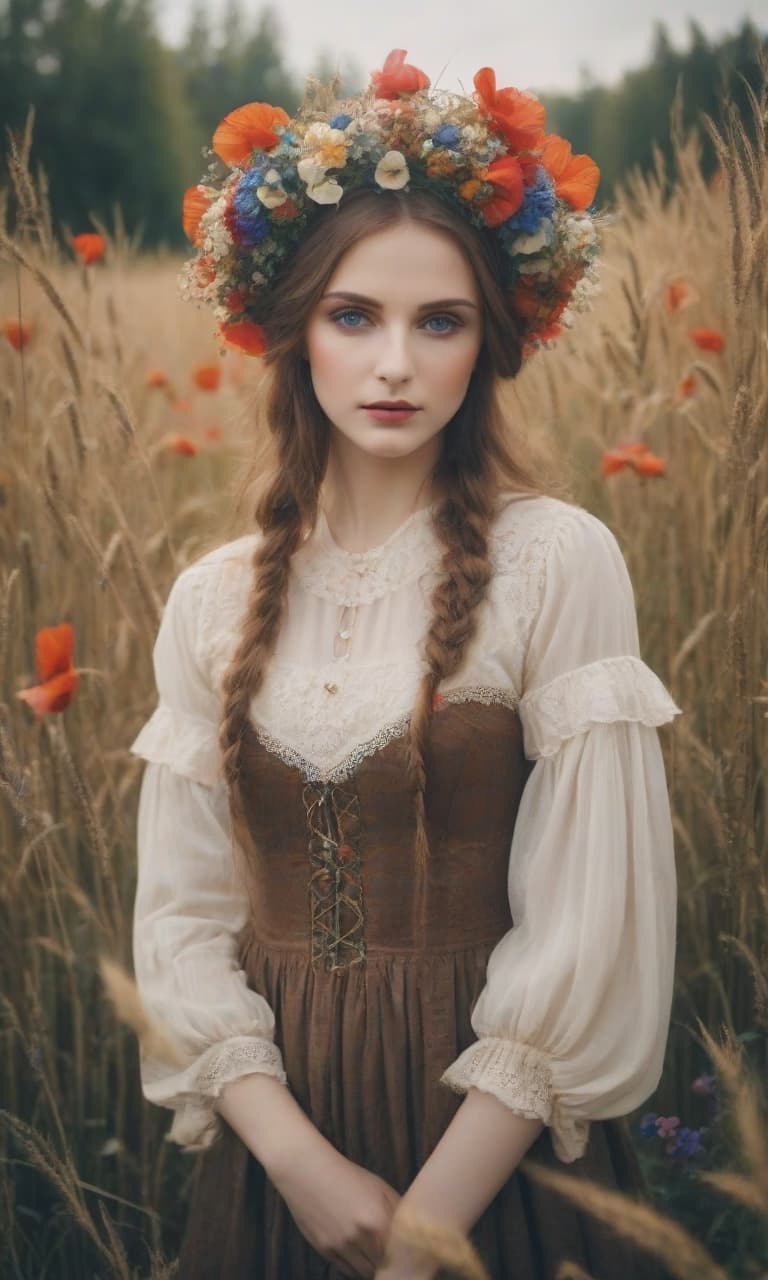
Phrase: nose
(394, 360)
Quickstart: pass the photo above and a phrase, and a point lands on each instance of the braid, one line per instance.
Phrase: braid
(266, 602)
(462, 522)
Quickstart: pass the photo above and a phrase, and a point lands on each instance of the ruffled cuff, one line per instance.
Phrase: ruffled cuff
(194, 1092)
(520, 1076)
(188, 744)
(602, 692)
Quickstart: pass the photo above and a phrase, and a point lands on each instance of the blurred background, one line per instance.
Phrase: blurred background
(125, 431)
(127, 92)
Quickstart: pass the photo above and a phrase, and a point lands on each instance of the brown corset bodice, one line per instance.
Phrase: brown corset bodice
(331, 865)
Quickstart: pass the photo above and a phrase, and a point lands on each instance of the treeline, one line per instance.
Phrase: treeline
(121, 118)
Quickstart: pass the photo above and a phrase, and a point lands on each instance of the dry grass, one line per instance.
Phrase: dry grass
(97, 515)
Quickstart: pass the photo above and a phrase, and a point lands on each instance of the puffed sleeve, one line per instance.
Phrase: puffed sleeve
(573, 1019)
(189, 906)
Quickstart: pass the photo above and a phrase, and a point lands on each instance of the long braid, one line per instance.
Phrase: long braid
(245, 674)
(462, 521)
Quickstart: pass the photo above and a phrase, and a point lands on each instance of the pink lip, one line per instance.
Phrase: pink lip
(390, 404)
(380, 413)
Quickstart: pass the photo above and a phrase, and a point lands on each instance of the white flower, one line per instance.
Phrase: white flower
(319, 135)
(534, 266)
(392, 171)
(272, 197)
(431, 119)
(531, 243)
(319, 188)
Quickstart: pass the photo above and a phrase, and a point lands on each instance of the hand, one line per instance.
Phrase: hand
(342, 1210)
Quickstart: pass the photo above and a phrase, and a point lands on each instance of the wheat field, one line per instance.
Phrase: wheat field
(119, 459)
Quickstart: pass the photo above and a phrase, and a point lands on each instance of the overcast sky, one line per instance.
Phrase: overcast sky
(535, 45)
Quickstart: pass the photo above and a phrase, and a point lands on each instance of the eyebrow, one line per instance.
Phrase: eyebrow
(426, 306)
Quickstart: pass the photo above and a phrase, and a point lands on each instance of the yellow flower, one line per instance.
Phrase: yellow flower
(392, 171)
(440, 165)
(469, 189)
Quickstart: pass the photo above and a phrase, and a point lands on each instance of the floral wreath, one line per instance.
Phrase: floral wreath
(486, 155)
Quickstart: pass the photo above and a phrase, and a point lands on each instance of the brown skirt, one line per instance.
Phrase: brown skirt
(353, 1044)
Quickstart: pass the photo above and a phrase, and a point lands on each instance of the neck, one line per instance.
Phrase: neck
(366, 498)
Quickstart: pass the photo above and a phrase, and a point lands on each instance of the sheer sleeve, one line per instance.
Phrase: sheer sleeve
(573, 1019)
(189, 908)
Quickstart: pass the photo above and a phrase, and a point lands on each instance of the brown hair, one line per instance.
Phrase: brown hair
(474, 466)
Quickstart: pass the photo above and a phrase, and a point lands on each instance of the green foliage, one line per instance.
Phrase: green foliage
(623, 126)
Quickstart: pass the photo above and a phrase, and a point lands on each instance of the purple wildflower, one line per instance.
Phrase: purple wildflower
(705, 1086)
(538, 203)
(341, 121)
(648, 1125)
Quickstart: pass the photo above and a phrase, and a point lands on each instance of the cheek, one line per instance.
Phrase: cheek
(327, 353)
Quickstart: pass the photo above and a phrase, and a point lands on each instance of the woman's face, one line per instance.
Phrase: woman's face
(400, 320)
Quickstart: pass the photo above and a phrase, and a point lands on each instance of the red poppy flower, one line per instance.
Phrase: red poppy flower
(519, 117)
(207, 377)
(89, 247)
(397, 76)
(679, 294)
(686, 387)
(18, 334)
(633, 454)
(248, 129)
(506, 177)
(246, 336)
(195, 203)
(576, 178)
(707, 339)
(54, 647)
(182, 445)
(156, 378)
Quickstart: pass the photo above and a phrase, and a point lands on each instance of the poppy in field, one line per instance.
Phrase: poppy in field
(707, 339)
(686, 387)
(246, 336)
(633, 454)
(182, 445)
(247, 129)
(89, 247)
(207, 377)
(54, 647)
(18, 334)
(679, 294)
(156, 378)
(397, 76)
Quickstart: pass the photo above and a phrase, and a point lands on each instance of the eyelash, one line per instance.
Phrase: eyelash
(355, 311)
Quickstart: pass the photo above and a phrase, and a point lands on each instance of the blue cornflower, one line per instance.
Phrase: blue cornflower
(688, 1143)
(446, 136)
(341, 121)
(647, 1125)
(251, 221)
(538, 203)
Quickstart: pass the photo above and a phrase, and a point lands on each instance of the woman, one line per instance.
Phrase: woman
(406, 896)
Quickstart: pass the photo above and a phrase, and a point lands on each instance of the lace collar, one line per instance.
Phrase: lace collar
(325, 569)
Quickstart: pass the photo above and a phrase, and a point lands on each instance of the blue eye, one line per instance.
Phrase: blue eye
(342, 316)
(445, 320)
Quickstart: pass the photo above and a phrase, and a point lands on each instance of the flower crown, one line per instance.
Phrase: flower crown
(487, 156)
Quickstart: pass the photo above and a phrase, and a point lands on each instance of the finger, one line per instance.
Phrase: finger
(340, 1263)
(361, 1260)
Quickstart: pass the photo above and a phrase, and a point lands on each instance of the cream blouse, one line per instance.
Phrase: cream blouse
(572, 1021)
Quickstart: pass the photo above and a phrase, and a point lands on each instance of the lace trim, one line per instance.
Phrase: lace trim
(185, 742)
(335, 886)
(602, 692)
(517, 1074)
(358, 577)
(221, 1064)
(346, 768)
